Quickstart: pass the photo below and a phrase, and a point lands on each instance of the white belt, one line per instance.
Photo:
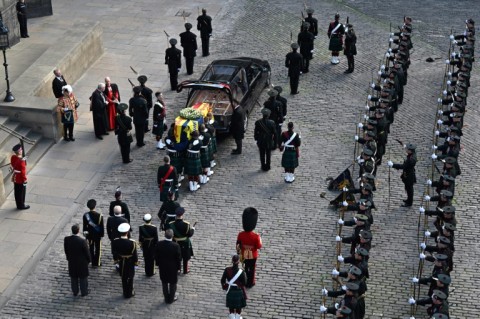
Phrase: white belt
(194, 152)
(171, 216)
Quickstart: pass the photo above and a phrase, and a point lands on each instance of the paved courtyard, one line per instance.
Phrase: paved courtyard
(298, 228)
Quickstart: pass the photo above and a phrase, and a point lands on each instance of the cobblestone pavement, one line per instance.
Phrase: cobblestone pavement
(297, 227)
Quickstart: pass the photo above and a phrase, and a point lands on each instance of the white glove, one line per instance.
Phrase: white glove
(344, 288)
(437, 132)
(423, 245)
(439, 122)
(382, 67)
(427, 233)
(335, 272)
(369, 97)
(324, 292)
(340, 221)
(449, 82)
(365, 117)
(434, 147)
(390, 164)
(421, 210)
(379, 72)
(391, 34)
(440, 112)
(427, 198)
(338, 238)
(360, 161)
(429, 182)
(323, 309)
(439, 100)
(311, 51)
(434, 157)
(411, 301)
(345, 189)
(452, 37)
(356, 137)
(422, 256)
(447, 61)
(344, 203)
(372, 85)
(337, 305)
(367, 107)
(340, 258)
(415, 280)
(360, 125)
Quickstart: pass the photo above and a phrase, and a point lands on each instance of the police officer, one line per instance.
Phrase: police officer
(138, 109)
(188, 40)
(204, 25)
(294, 63)
(148, 238)
(408, 175)
(125, 254)
(173, 58)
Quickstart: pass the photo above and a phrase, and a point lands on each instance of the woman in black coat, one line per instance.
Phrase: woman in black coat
(350, 47)
(123, 128)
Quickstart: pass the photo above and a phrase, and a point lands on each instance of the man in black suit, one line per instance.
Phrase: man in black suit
(112, 226)
(188, 41)
(265, 135)
(78, 256)
(93, 230)
(99, 111)
(139, 111)
(57, 83)
(237, 128)
(204, 25)
(118, 202)
(168, 258)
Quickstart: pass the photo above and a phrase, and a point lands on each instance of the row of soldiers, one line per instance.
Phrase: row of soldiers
(382, 103)
(451, 109)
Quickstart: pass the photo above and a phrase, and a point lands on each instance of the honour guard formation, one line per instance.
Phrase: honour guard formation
(188, 146)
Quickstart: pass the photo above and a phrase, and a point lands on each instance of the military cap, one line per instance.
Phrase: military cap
(449, 227)
(448, 209)
(438, 294)
(367, 187)
(448, 178)
(461, 94)
(188, 25)
(173, 41)
(123, 228)
(366, 234)
(458, 105)
(272, 93)
(278, 88)
(345, 310)
(407, 27)
(354, 270)
(365, 202)
(179, 211)
(443, 278)
(467, 64)
(440, 257)
(368, 176)
(306, 25)
(367, 152)
(470, 21)
(137, 89)
(446, 193)
(352, 286)
(118, 192)
(142, 79)
(349, 25)
(123, 106)
(384, 100)
(361, 217)
(372, 122)
(310, 11)
(444, 240)
(147, 217)
(411, 147)
(439, 316)
(461, 84)
(337, 15)
(235, 259)
(380, 111)
(266, 112)
(361, 251)
(449, 160)
(294, 46)
(16, 148)
(91, 204)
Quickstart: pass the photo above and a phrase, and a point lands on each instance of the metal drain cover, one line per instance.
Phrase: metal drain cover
(183, 13)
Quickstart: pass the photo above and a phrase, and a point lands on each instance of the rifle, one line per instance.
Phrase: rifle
(184, 17)
(168, 37)
(136, 73)
(133, 85)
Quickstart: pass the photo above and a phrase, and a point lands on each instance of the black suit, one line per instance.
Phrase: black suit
(125, 210)
(148, 238)
(96, 230)
(168, 257)
(237, 127)
(266, 136)
(139, 111)
(188, 40)
(78, 256)
(294, 63)
(112, 226)
(57, 85)
(173, 58)
(99, 113)
(204, 25)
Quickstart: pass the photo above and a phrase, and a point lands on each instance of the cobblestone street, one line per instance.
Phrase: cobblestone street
(297, 227)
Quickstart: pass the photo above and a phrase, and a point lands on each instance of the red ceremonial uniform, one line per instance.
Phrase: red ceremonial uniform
(248, 244)
(19, 167)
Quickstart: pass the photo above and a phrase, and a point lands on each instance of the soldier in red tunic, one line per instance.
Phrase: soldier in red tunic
(248, 244)
(19, 176)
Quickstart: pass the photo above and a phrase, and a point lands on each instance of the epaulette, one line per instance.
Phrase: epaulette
(195, 142)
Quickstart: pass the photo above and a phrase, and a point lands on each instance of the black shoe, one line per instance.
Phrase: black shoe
(406, 205)
(66, 139)
(99, 137)
(25, 207)
(305, 71)
(129, 161)
(140, 145)
(348, 71)
(147, 130)
(72, 139)
(405, 200)
(295, 93)
(106, 133)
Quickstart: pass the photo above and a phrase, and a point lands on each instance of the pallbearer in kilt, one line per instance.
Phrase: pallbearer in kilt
(193, 165)
(290, 146)
(335, 34)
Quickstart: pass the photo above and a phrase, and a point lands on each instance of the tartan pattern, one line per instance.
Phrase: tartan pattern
(178, 163)
(289, 158)
(235, 298)
(205, 157)
(193, 166)
(213, 142)
(335, 44)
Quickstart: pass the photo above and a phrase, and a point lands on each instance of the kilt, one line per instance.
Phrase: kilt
(193, 165)
(289, 158)
(235, 298)
(177, 160)
(213, 142)
(335, 44)
(164, 192)
(205, 157)
(157, 128)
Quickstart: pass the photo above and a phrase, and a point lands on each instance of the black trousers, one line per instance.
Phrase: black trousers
(139, 133)
(83, 282)
(173, 81)
(205, 46)
(279, 134)
(238, 142)
(68, 128)
(294, 79)
(189, 63)
(99, 125)
(149, 259)
(128, 273)
(409, 190)
(351, 62)
(265, 155)
(306, 63)
(146, 121)
(22, 21)
(250, 272)
(20, 190)
(95, 251)
(125, 151)
(169, 291)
